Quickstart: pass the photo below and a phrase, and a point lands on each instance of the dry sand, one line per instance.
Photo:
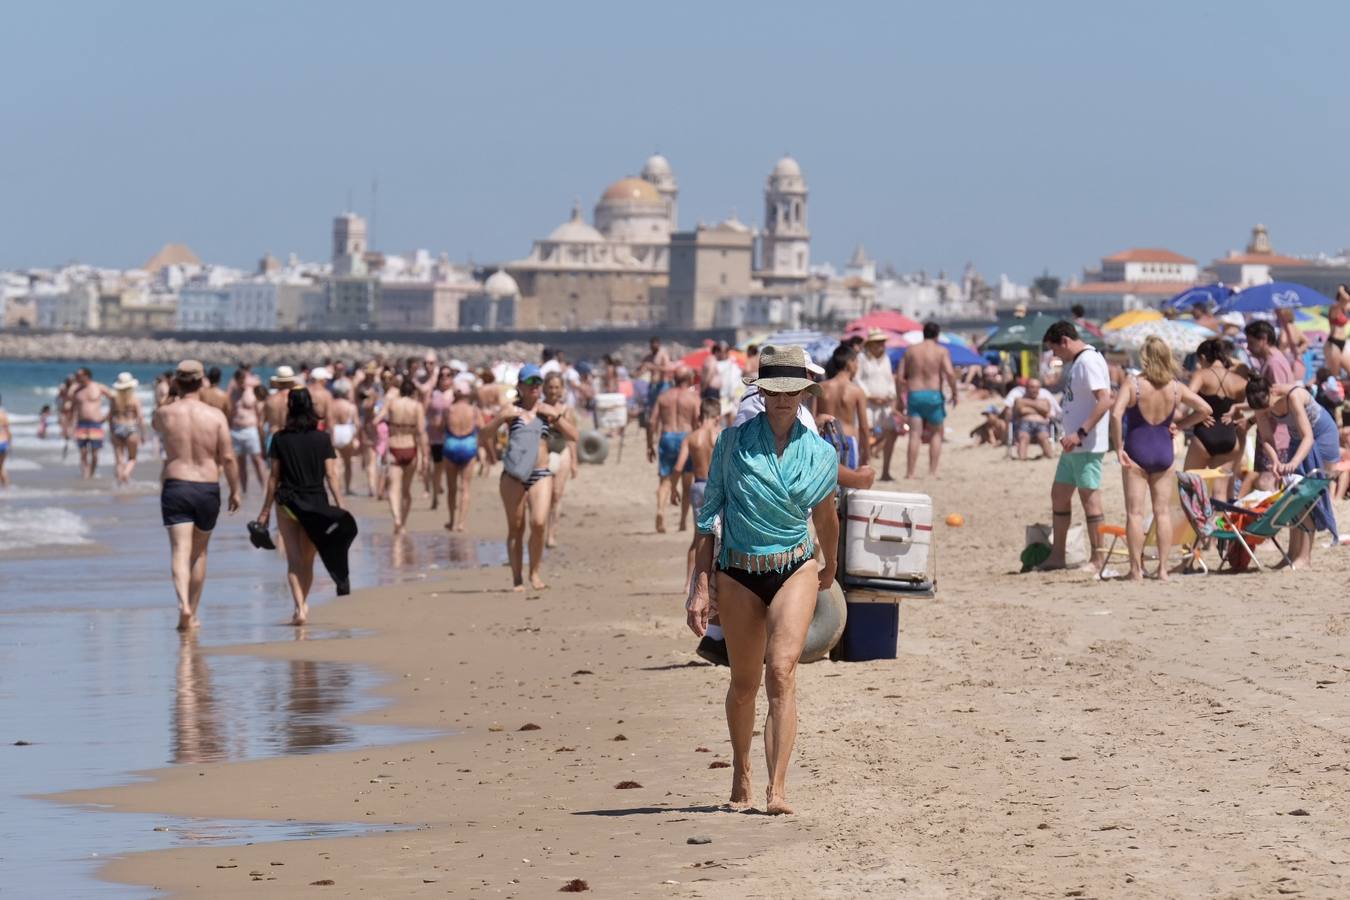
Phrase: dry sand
(1040, 735)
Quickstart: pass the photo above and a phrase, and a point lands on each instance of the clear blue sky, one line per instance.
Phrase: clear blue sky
(1016, 135)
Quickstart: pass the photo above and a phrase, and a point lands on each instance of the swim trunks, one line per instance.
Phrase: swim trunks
(89, 434)
(669, 452)
(1034, 430)
(195, 502)
(1082, 470)
(696, 492)
(928, 405)
(246, 441)
(437, 452)
(765, 585)
(343, 434)
(461, 449)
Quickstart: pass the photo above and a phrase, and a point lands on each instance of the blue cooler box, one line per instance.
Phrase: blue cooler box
(872, 630)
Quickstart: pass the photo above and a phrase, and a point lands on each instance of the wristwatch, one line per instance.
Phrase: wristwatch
(1082, 434)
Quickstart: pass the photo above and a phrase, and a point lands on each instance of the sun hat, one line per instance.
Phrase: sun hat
(529, 370)
(190, 368)
(1233, 318)
(458, 365)
(875, 334)
(784, 370)
(285, 377)
(321, 374)
(125, 382)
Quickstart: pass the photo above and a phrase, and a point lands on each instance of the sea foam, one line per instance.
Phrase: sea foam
(23, 529)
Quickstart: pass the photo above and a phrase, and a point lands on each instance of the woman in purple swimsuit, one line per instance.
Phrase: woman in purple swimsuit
(1141, 429)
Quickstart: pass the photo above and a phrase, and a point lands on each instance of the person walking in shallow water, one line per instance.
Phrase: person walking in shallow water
(197, 451)
(768, 478)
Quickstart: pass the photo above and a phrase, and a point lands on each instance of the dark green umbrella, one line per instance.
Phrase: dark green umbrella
(1026, 334)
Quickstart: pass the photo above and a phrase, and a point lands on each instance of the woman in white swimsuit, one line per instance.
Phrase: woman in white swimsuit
(342, 413)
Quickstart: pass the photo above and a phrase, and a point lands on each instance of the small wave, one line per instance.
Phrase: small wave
(22, 529)
(21, 419)
(21, 465)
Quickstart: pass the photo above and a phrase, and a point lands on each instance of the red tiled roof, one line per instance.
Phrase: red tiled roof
(1166, 288)
(1148, 254)
(1259, 259)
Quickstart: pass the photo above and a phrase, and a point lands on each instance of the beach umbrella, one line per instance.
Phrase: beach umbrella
(1180, 336)
(1132, 317)
(961, 355)
(1273, 296)
(1026, 334)
(695, 360)
(1212, 295)
(885, 319)
(1311, 322)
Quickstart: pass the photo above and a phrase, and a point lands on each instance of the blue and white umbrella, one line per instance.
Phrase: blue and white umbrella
(961, 355)
(1273, 296)
(1211, 295)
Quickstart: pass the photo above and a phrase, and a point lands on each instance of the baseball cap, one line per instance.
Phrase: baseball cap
(190, 368)
(529, 370)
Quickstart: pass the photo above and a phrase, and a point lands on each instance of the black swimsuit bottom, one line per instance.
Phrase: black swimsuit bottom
(764, 585)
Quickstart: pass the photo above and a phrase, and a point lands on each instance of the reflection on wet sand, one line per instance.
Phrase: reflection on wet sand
(286, 706)
(406, 552)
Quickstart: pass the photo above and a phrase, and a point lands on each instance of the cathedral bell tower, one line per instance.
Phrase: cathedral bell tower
(785, 248)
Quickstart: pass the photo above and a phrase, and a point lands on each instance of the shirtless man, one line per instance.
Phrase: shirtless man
(711, 376)
(920, 378)
(696, 454)
(88, 414)
(197, 450)
(674, 416)
(876, 376)
(342, 413)
(245, 436)
(212, 395)
(842, 399)
(274, 408)
(322, 397)
(658, 369)
(1032, 412)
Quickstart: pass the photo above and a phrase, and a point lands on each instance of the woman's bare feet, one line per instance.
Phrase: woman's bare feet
(778, 805)
(538, 583)
(301, 615)
(187, 621)
(740, 790)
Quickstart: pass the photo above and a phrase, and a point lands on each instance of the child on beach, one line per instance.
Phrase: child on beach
(43, 418)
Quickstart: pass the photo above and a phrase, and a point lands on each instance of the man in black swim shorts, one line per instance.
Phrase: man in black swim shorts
(197, 451)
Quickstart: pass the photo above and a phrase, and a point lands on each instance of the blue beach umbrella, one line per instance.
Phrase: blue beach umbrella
(1211, 294)
(1273, 296)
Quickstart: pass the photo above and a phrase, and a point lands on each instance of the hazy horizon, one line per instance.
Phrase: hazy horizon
(1017, 138)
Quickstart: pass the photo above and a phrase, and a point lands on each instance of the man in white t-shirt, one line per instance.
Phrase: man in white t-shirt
(1086, 402)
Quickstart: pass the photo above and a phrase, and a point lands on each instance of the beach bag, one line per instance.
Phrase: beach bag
(522, 449)
(1075, 543)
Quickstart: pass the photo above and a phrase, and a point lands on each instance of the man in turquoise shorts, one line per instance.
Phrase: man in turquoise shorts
(921, 374)
(1086, 401)
(674, 416)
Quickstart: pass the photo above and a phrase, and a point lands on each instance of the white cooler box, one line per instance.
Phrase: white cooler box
(888, 536)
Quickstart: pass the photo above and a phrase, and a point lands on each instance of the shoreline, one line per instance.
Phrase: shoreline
(1038, 734)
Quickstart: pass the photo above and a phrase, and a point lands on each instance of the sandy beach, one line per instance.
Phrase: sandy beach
(1039, 735)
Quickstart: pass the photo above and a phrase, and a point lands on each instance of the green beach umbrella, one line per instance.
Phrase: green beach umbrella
(1026, 334)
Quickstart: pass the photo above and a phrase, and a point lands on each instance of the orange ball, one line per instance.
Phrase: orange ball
(956, 520)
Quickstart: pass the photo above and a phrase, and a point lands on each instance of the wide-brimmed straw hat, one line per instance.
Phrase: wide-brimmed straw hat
(876, 334)
(285, 377)
(783, 370)
(125, 382)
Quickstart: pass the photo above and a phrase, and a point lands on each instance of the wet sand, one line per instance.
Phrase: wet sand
(1040, 735)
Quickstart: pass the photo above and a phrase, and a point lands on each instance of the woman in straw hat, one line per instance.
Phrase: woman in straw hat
(126, 420)
(769, 478)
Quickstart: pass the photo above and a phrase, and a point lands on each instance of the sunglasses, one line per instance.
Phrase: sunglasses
(779, 393)
(532, 382)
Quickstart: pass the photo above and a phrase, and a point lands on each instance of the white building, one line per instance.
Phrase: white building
(785, 244)
(204, 302)
(1131, 279)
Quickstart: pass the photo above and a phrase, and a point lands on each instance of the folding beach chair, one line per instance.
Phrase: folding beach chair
(1204, 521)
(1291, 510)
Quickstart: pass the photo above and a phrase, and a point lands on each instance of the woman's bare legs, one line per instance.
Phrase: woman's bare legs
(560, 479)
(514, 502)
(540, 498)
(1136, 500)
(396, 476)
(1160, 488)
(768, 641)
(461, 495)
(299, 564)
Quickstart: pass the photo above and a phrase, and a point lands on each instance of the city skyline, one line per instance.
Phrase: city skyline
(1018, 140)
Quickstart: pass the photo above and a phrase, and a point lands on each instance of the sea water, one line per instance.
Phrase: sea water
(95, 684)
